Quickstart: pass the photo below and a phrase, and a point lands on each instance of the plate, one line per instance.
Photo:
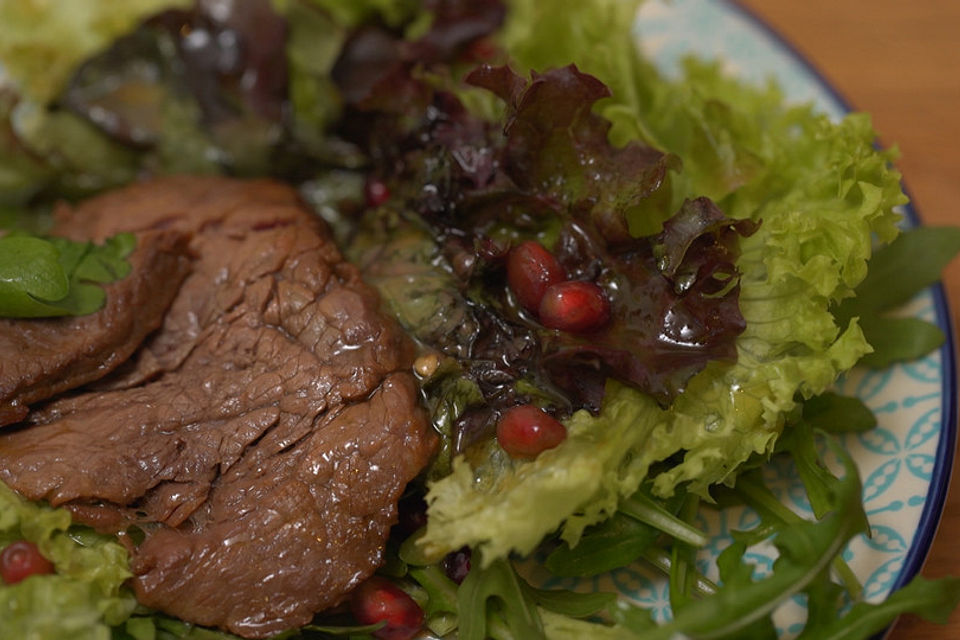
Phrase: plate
(905, 462)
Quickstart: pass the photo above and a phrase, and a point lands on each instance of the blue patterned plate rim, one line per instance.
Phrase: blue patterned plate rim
(943, 463)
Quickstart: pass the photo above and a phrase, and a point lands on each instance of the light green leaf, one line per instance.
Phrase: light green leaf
(48, 277)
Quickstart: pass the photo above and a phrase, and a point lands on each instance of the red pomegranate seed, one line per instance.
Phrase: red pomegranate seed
(379, 600)
(524, 431)
(456, 564)
(575, 306)
(376, 192)
(531, 270)
(22, 559)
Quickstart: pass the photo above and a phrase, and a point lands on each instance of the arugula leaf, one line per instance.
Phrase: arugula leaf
(806, 549)
(898, 272)
(778, 516)
(824, 599)
(571, 603)
(933, 600)
(800, 442)
(733, 570)
(645, 509)
(663, 560)
(683, 574)
(834, 413)
(560, 627)
(898, 340)
(440, 608)
(615, 542)
(48, 277)
(496, 588)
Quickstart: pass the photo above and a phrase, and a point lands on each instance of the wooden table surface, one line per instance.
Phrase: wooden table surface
(901, 62)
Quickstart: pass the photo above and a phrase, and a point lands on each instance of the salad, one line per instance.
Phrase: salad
(485, 164)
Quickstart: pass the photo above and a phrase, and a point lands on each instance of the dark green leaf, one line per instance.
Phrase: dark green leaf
(817, 479)
(806, 549)
(735, 572)
(571, 603)
(902, 269)
(441, 605)
(441, 590)
(834, 413)
(933, 600)
(683, 556)
(777, 517)
(645, 509)
(492, 588)
(824, 599)
(898, 340)
(662, 560)
(616, 542)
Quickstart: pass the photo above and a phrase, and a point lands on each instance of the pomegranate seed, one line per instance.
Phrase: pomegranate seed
(456, 564)
(531, 270)
(575, 306)
(379, 600)
(524, 431)
(376, 192)
(22, 559)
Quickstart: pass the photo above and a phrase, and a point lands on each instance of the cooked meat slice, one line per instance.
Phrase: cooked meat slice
(261, 438)
(40, 358)
(315, 515)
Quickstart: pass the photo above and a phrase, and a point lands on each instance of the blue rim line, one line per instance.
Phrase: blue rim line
(937, 493)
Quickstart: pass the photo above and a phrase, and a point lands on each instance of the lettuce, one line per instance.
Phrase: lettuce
(821, 191)
(43, 42)
(83, 599)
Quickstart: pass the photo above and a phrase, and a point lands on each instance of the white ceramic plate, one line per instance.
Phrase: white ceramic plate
(905, 462)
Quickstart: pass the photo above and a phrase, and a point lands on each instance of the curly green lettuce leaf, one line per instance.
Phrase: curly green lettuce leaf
(822, 192)
(41, 42)
(83, 598)
(521, 506)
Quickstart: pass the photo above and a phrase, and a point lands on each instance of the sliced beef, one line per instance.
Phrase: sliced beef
(261, 438)
(40, 358)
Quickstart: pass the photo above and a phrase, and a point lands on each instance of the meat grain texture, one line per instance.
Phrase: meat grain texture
(260, 438)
